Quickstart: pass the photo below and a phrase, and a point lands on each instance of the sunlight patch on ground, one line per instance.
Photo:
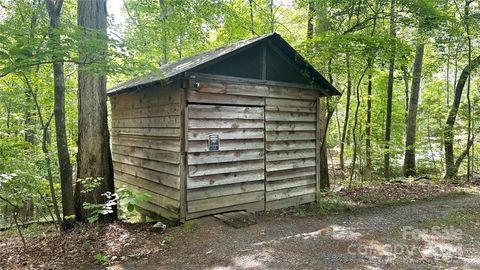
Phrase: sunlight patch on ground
(343, 233)
(334, 231)
(438, 248)
(249, 261)
(472, 262)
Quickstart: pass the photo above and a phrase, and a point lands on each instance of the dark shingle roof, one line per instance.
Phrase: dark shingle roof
(172, 70)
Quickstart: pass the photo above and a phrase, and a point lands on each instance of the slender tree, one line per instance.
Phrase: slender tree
(54, 9)
(94, 159)
(452, 165)
(323, 119)
(388, 116)
(347, 113)
(409, 162)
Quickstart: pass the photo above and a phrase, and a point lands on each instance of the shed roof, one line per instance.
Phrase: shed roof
(175, 69)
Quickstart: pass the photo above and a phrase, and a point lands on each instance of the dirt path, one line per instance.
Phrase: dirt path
(375, 238)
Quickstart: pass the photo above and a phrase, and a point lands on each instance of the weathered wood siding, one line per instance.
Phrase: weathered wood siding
(231, 178)
(270, 159)
(146, 145)
(290, 129)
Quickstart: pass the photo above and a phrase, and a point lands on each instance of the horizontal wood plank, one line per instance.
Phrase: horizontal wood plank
(289, 164)
(290, 109)
(226, 145)
(292, 201)
(167, 144)
(146, 153)
(155, 132)
(147, 97)
(289, 103)
(291, 173)
(224, 112)
(225, 201)
(225, 134)
(227, 123)
(151, 111)
(290, 192)
(256, 90)
(289, 145)
(289, 135)
(159, 212)
(159, 166)
(155, 198)
(289, 183)
(231, 167)
(249, 207)
(224, 179)
(152, 175)
(149, 185)
(147, 122)
(286, 155)
(224, 190)
(194, 96)
(227, 156)
(290, 126)
(290, 116)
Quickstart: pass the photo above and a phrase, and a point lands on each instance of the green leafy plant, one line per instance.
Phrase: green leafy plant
(86, 245)
(167, 239)
(101, 259)
(129, 200)
(97, 209)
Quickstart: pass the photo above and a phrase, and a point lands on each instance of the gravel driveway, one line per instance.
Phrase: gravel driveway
(390, 237)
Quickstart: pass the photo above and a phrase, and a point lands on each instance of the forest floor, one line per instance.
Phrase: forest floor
(398, 226)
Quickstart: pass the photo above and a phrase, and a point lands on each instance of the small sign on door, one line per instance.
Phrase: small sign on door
(213, 142)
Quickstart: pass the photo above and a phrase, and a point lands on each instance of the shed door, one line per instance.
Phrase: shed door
(225, 157)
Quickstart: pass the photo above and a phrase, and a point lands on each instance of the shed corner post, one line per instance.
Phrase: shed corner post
(317, 151)
(183, 156)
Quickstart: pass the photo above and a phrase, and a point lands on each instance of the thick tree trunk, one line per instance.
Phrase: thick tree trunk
(450, 168)
(94, 158)
(388, 117)
(409, 162)
(54, 11)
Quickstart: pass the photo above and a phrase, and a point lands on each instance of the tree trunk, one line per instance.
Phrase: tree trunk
(347, 114)
(54, 11)
(450, 170)
(46, 151)
(388, 117)
(368, 130)
(94, 158)
(355, 121)
(409, 162)
(469, 102)
(252, 30)
(407, 91)
(323, 118)
(322, 122)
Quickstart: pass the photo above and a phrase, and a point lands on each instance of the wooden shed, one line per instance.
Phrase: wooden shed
(230, 129)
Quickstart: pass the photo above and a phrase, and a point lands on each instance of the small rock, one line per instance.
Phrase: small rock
(159, 227)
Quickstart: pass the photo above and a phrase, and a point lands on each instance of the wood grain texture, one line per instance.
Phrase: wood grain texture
(196, 97)
(233, 175)
(290, 132)
(146, 152)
